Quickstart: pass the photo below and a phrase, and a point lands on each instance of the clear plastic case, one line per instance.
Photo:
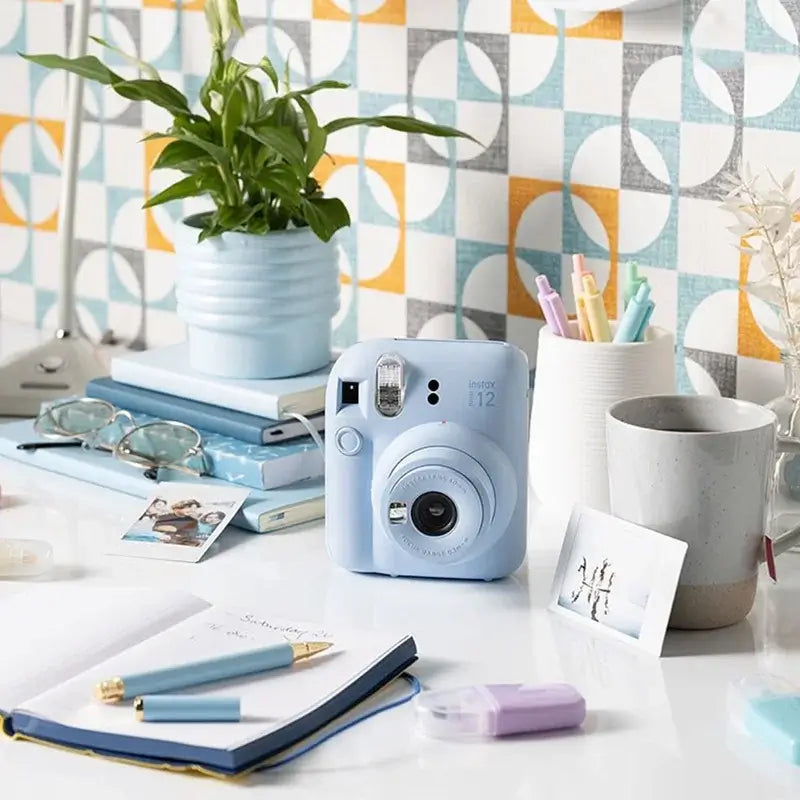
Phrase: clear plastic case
(21, 558)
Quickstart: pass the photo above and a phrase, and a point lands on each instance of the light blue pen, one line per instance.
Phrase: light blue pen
(631, 322)
(186, 708)
(214, 669)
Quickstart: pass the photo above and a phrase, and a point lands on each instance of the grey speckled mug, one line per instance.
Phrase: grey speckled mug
(698, 469)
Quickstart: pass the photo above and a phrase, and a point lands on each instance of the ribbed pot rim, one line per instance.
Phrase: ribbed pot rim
(238, 323)
(274, 239)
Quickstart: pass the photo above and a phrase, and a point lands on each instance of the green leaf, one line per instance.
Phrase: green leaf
(282, 181)
(156, 92)
(282, 140)
(253, 95)
(134, 61)
(234, 71)
(266, 66)
(191, 186)
(398, 123)
(229, 12)
(177, 154)
(88, 67)
(325, 216)
(214, 24)
(317, 87)
(151, 137)
(219, 154)
(317, 137)
(233, 115)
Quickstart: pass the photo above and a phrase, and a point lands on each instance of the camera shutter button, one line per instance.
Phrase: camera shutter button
(348, 441)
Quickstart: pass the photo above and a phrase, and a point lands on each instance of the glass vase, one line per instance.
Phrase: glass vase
(786, 501)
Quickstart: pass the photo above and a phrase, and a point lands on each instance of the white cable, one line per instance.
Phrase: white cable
(312, 431)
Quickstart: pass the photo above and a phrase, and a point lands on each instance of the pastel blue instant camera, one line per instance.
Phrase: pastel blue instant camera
(426, 458)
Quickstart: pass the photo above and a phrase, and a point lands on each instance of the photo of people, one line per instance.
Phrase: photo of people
(186, 522)
(181, 521)
(617, 577)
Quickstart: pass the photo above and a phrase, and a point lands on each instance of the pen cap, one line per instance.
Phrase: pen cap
(499, 710)
(543, 285)
(579, 265)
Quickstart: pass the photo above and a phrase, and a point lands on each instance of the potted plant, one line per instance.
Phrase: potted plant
(257, 282)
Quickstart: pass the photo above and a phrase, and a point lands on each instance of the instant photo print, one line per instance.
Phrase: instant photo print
(180, 521)
(617, 579)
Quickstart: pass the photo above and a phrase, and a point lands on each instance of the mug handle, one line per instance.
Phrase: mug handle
(773, 546)
(788, 445)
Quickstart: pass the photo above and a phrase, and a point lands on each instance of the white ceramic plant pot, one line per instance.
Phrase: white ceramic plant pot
(575, 383)
(256, 306)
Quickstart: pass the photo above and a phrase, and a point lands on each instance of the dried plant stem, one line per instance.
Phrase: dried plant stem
(763, 230)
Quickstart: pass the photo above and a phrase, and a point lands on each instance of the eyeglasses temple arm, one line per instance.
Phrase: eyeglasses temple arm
(47, 445)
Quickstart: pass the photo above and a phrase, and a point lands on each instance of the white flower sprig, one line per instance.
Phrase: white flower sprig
(766, 220)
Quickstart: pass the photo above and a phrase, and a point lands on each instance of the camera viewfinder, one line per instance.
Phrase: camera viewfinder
(349, 393)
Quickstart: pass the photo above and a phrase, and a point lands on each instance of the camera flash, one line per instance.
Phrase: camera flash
(389, 385)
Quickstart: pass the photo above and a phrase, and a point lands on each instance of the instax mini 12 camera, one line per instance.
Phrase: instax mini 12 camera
(426, 458)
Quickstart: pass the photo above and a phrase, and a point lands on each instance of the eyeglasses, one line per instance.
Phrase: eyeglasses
(96, 424)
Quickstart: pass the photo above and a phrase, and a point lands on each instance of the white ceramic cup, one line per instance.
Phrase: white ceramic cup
(575, 383)
(699, 469)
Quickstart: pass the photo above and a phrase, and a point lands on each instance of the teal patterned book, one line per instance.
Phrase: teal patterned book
(258, 466)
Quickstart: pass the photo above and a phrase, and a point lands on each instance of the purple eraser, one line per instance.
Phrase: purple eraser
(500, 709)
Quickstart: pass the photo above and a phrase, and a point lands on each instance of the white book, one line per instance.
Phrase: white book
(167, 370)
(61, 641)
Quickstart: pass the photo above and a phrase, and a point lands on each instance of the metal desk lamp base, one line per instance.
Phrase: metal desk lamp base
(59, 368)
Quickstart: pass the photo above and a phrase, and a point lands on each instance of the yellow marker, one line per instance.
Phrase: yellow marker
(580, 308)
(578, 271)
(595, 310)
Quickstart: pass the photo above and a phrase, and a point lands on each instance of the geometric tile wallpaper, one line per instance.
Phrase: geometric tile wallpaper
(604, 134)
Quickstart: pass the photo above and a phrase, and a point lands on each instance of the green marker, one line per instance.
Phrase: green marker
(632, 281)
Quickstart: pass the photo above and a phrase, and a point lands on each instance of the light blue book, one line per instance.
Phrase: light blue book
(263, 511)
(167, 370)
(204, 417)
(258, 466)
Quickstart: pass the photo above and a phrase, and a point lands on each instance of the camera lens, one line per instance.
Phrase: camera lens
(434, 514)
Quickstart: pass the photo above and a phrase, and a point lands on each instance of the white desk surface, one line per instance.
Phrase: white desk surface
(656, 727)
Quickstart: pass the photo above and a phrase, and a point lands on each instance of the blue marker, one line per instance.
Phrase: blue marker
(645, 321)
(637, 311)
(186, 708)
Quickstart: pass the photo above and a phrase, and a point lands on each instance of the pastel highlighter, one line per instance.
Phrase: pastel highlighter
(578, 272)
(595, 310)
(552, 307)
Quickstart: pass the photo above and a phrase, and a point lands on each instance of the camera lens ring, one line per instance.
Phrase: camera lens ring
(434, 514)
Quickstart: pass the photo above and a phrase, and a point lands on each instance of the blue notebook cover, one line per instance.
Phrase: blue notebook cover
(263, 511)
(220, 763)
(215, 419)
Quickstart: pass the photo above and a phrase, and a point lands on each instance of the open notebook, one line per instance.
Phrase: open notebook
(66, 639)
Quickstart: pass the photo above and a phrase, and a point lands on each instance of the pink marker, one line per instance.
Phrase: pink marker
(552, 308)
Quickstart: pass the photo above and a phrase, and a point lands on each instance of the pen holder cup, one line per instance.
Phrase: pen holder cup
(575, 383)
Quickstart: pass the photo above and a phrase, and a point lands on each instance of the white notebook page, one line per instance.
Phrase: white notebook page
(269, 700)
(52, 632)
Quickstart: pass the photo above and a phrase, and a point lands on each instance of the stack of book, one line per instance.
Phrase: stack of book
(248, 437)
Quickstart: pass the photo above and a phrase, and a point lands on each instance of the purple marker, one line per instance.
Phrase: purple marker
(552, 308)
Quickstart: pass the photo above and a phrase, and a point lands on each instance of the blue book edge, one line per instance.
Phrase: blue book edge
(101, 469)
(220, 763)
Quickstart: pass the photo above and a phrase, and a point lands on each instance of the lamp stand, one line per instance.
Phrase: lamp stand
(63, 366)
